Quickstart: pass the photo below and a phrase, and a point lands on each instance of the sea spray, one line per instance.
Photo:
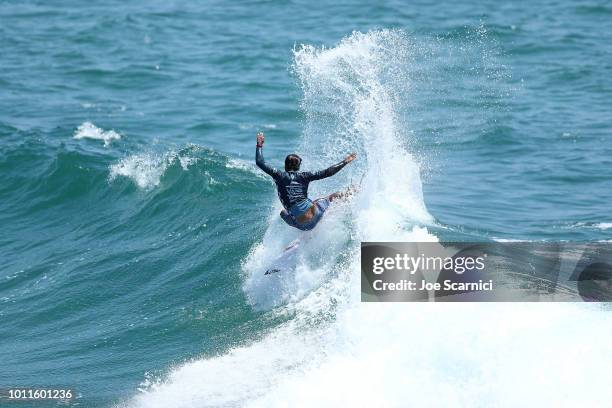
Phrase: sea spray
(359, 85)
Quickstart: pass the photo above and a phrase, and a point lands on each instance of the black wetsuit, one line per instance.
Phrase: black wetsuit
(292, 186)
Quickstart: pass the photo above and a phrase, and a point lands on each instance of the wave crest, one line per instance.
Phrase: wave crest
(88, 130)
(146, 169)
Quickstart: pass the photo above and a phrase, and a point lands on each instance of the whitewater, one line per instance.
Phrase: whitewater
(333, 350)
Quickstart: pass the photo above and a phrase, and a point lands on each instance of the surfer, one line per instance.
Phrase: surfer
(292, 187)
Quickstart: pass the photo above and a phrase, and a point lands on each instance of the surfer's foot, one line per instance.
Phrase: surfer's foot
(342, 195)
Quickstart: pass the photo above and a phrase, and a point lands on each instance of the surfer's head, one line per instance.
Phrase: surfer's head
(292, 162)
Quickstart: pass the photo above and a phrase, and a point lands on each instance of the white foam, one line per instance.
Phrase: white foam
(247, 166)
(252, 126)
(591, 225)
(334, 350)
(507, 240)
(457, 355)
(146, 169)
(88, 130)
(186, 161)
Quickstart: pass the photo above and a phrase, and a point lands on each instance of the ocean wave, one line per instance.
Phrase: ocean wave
(247, 166)
(88, 130)
(333, 350)
(345, 81)
(591, 225)
(146, 169)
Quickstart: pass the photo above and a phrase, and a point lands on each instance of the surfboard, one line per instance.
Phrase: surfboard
(286, 260)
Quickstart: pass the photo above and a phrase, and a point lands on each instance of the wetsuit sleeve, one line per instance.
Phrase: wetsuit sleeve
(328, 172)
(261, 163)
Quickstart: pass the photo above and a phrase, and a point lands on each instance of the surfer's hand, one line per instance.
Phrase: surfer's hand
(260, 139)
(350, 158)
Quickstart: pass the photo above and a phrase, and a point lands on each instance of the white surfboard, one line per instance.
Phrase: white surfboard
(286, 261)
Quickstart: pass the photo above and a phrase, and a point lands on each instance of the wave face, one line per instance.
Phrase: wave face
(329, 348)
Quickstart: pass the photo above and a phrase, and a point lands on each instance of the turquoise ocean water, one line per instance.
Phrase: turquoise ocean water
(134, 220)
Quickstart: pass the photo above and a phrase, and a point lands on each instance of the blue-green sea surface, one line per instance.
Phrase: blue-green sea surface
(135, 223)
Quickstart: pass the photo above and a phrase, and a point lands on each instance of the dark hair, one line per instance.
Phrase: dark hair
(292, 162)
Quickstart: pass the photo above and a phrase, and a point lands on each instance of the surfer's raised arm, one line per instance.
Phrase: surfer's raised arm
(259, 159)
(330, 171)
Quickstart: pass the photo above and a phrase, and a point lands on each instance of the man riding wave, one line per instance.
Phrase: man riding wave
(292, 187)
